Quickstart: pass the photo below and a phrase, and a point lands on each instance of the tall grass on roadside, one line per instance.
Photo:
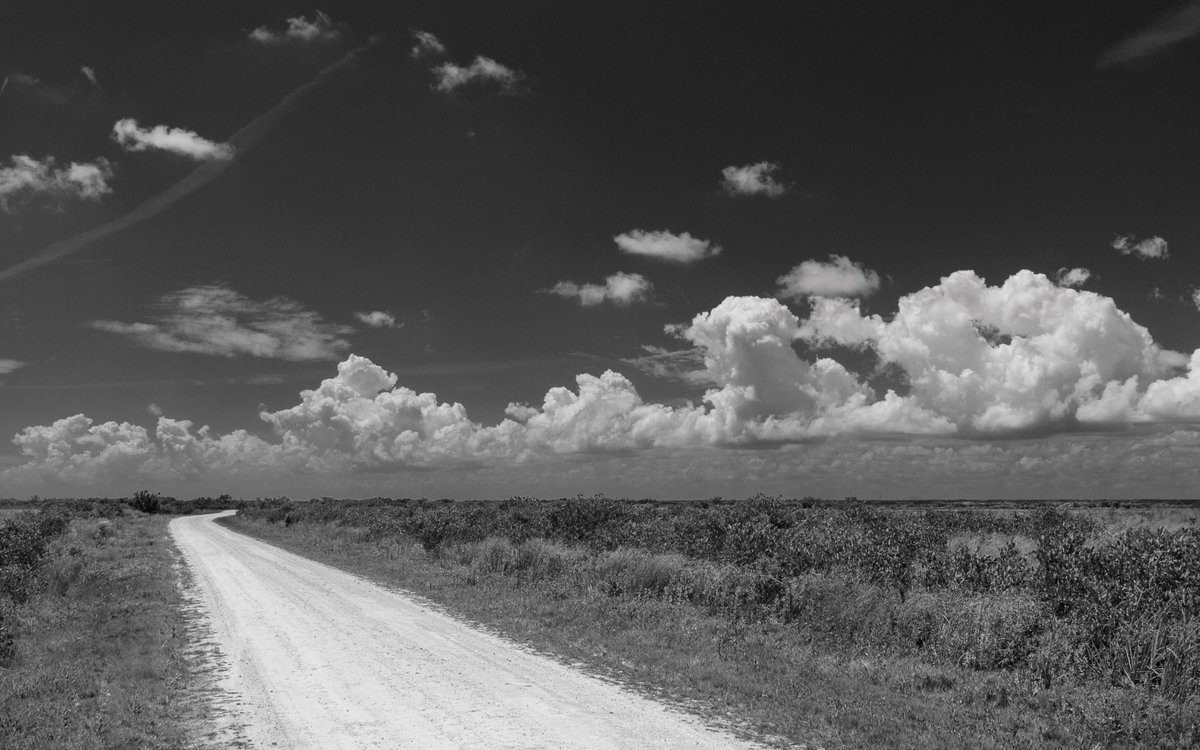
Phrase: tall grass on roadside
(96, 641)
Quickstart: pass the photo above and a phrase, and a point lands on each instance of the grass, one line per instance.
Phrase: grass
(649, 621)
(102, 654)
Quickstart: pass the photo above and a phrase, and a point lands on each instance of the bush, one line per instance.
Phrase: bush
(145, 501)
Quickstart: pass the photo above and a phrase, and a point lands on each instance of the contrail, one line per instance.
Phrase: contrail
(242, 140)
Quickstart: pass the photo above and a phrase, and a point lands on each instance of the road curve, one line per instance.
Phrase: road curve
(319, 658)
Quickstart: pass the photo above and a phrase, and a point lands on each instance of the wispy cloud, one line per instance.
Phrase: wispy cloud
(208, 171)
(1073, 277)
(1168, 30)
(175, 140)
(753, 179)
(90, 74)
(319, 30)
(664, 245)
(1150, 248)
(378, 319)
(8, 366)
(840, 277)
(26, 178)
(218, 321)
(427, 45)
(620, 288)
(1195, 296)
(450, 77)
(684, 365)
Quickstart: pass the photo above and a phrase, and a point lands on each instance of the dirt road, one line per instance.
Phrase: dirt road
(318, 658)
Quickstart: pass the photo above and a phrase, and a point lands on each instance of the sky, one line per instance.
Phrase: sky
(676, 250)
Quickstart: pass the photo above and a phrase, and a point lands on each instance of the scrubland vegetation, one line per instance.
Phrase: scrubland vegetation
(94, 637)
(829, 625)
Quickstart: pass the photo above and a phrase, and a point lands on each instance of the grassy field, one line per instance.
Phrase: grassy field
(95, 648)
(822, 627)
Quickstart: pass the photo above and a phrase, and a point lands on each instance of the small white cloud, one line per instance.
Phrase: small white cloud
(378, 319)
(300, 29)
(154, 409)
(176, 140)
(674, 248)
(1149, 248)
(1168, 30)
(1073, 277)
(217, 321)
(753, 179)
(840, 277)
(620, 288)
(27, 177)
(89, 74)
(1196, 298)
(10, 365)
(427, 45)
(484, 70)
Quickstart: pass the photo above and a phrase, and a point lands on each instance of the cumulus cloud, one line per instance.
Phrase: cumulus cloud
(663, 245)
(1073, 277)
(840, 277)
(378, 319)
(8, 366)
(217, 321)
(1149, 248)
(450, 77)
(753, 179)
(1195, 297)
(1028, 356)
(427, 45)
(620, 288)
(27, 179)
(175, 140)
(1168, 30)
(300, 30)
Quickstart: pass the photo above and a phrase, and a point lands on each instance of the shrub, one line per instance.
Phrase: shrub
(145, 501)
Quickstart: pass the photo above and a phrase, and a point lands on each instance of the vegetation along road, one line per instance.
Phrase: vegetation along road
(320, 658)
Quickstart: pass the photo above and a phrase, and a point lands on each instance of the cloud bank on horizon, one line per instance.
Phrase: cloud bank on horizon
(1026, 357)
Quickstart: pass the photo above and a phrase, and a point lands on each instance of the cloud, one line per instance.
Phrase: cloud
(483, 71)
(685, 365)
(8, 366)
(620, 288)
(838, 278)
(1149, 248)
(244, 139)
(217, 321)
(89, 74)
(673, 248)
(1026, 357)
(155, 409)
(300, 30)
(27, 179)
(1073, 277)
(753, 179)
(427, 45)
(1168, 30)
(176, 140)
(378, 319)
(1195, 296)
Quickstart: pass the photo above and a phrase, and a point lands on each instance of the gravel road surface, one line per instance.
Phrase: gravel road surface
(318, 658)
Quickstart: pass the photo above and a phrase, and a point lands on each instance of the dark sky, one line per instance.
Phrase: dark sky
(911, 140)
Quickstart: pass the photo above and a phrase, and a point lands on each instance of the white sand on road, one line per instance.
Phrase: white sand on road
(318, 658)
